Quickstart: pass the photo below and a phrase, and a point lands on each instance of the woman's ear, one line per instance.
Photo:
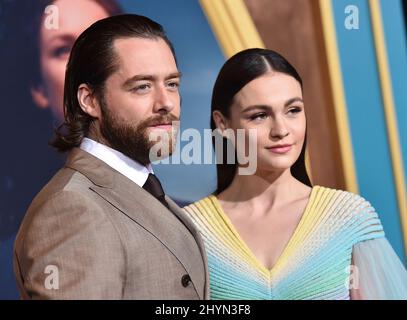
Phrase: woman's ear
(88, 101)
(220, 120)
(39, 97)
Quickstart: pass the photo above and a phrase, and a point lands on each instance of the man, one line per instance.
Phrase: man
(102, 228)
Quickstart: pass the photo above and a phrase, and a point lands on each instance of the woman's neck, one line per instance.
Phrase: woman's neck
(264, 191)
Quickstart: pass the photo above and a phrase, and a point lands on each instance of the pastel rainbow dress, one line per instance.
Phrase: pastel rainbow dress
(316, 262)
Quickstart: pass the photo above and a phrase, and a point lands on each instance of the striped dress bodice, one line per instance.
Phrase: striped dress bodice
(316, 262)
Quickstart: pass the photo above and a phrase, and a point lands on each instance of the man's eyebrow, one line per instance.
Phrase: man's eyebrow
(174, 75)
(266, 107)
(148, 77)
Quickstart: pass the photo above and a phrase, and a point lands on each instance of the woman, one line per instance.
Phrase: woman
(36, 38)
(36, 42)
(271, 235)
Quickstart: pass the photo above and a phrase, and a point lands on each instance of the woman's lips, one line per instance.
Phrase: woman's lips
(280, 150)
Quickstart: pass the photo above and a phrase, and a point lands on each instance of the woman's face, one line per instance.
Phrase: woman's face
(272, 105)
(74, 16)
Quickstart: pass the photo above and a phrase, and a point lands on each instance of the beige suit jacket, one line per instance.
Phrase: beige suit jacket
(91, 233)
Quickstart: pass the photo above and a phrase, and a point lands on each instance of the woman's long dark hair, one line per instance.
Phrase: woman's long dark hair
(239, 70)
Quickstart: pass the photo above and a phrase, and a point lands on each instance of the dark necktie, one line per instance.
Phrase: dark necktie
(153, 186)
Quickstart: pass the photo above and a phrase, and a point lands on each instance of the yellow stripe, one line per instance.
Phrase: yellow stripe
(389, 111)
(225, 228)
(234, 28)
(341, 116)
(232, 25)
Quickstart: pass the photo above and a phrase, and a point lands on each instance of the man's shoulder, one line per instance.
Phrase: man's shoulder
(67, 193)
(66, 201)
(65, 181)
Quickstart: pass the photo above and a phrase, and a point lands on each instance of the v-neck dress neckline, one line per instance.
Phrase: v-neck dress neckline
(288, 246)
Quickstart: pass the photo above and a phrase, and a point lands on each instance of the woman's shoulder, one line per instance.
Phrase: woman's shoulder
(202, 205)
(341, 198)
(203, 212)
(350, 210)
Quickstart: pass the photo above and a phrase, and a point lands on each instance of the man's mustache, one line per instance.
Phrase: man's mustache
(156, 120)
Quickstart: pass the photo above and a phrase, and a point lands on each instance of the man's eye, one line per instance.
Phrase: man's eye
(173, 85)
(141, 87)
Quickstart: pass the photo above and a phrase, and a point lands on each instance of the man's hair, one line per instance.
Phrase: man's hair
(92, 61)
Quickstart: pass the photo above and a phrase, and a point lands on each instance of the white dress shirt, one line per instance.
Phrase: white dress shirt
(133, 170)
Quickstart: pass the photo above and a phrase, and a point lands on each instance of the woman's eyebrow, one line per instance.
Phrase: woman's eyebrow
(290, 101)
(65, 37)
(266, 107)
(263, 107)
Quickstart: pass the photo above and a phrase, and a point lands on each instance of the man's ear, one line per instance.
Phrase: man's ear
(220, 121)
(88, 101)
(39, 97)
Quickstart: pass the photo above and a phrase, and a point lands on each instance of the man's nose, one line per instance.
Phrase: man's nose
(164, 101)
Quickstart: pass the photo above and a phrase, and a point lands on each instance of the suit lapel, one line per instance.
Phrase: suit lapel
(191, 227)
(145, 210)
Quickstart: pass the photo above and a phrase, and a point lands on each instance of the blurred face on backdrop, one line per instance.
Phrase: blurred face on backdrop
(74, 16)
(272, 105)
(140, 100)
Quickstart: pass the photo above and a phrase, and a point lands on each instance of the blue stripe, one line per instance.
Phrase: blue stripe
(367, 119)
(394, 27)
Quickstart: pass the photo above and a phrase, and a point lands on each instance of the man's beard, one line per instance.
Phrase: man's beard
(133, 141)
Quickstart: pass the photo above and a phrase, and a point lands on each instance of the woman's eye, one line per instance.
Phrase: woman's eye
(259, 116)
(295, 110)
(62, 51)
